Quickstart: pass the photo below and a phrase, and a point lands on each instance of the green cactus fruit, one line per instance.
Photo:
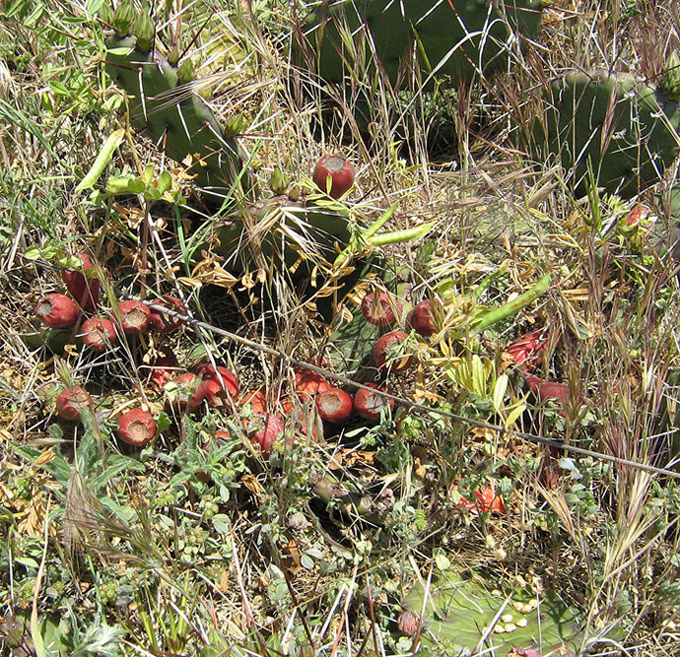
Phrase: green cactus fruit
(144, 29)
(669, 83)
(123, 18)
(621, 130)
(183, 125)
(173, 56)
(186, 72)
(456, 39)
(278, 182)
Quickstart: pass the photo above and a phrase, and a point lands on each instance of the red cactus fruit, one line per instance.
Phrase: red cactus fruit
(163, 369)
(83, 289)
(256, 400)
(264, 430)
(136, 427)
(385, 349)
(526, 349)
(380, 308)
(219, 375)
(71, 401)
(549, 390)
(335, 405)
(57, 310)
(309, 384)
(369, 404)
(134, 317)
(163, 323)
(99, 333)
(184, 392)
(341, 171)
(420, 319)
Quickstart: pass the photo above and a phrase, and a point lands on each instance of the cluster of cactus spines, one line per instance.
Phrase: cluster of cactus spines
(609, 129)
(480, 29)
(162, 104)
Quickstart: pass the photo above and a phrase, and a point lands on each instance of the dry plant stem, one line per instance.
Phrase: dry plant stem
(297, 605)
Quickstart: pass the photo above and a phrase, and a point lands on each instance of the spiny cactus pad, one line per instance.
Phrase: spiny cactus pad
(178, 120)
(624, 130)
(455, 39)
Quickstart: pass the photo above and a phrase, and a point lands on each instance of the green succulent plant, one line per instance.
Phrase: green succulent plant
(609, 129)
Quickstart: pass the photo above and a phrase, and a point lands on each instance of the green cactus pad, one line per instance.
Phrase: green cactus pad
(277, 233)
(460, 611)
(455, 39)
(177, 120)
(623, 130)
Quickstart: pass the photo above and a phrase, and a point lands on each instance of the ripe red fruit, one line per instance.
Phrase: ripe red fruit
(386, 347)
(309, 384)
(488, 501)
(163, 369)
(420, 319)
(134, 317)
(256, 400)
(339, 169)
(526, 350)
(83, 289)
(71, 401)
(369, 404)
(380, 309)
(136, 427)
(162, 323)
(208, 372)
(549, 390)
(185, 392)
(264, 430)
(99, 333)
(57, 310)
(335, 405)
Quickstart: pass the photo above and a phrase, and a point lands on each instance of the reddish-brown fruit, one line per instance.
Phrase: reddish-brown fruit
(309, 384)
(408, 623)
(185, 392)
(369, 404)
(71, 401)
(264, 430)
(341, 171)
(160, 322)
(99, 333)
(163, 369)
(387, 354)
(487, 500)
(256, 400)
(380, 308)
(136, 427)
(134, 317)
(213, 393)
(208, 371)
(83, 289)
(57, 310)
(549, 390)
(420, 319)
(335, 405)
(526, 350)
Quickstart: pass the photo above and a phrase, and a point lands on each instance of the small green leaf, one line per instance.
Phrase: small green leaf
(499, 390)
(164, 182)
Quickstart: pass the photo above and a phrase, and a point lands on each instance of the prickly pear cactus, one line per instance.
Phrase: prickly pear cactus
(455, 39)
(623, 130)
(460, 612)
(163, 104)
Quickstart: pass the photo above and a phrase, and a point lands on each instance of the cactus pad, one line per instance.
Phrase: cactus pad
(455, 39)
(178, 120)
(623, 130)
